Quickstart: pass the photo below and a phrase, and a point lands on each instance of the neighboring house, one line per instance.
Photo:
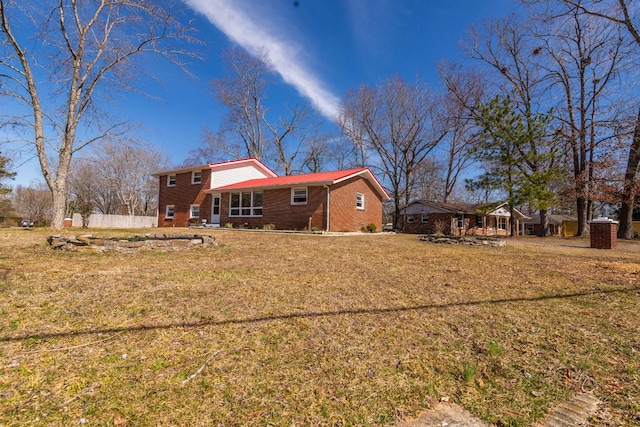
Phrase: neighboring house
(556, 227)
(345, 200)
(182, 199)
(426, 217)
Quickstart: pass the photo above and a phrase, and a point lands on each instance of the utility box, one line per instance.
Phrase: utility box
(603, 232)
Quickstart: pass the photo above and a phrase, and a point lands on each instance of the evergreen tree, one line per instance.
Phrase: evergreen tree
(523, 160)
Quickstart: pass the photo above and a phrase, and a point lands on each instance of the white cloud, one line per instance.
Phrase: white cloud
(235, 19)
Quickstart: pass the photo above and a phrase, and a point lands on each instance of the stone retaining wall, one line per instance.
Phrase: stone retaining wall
(465, 240)
(157, 241)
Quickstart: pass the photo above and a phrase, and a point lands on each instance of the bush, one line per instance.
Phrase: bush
(371, 228)
(228, 225)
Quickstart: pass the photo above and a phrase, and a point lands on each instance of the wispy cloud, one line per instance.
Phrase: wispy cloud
(241, 23)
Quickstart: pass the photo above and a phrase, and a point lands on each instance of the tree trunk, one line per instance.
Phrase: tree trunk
(544, 223)
(625, 228)
(59, 209)
(581, 206)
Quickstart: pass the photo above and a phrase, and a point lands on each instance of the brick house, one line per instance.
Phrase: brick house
(343, 200)
(427, 217)
(182, 199)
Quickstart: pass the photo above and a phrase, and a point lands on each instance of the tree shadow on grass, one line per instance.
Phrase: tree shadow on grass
(311, 315)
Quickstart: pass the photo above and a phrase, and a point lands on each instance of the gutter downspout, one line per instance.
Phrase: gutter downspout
(328, 205)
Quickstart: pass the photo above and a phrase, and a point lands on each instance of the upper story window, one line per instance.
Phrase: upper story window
(171, 180)
(169, 211)
(196, 177)
(246, 203)
(194, 211)
(360, 201)
(299, 196)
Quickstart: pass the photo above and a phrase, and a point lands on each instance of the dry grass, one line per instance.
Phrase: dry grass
(273, 329)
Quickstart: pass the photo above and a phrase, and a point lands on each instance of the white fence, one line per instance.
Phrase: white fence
(116, 221)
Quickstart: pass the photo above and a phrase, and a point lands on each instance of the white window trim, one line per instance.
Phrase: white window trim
(191, 215)
(166, 211)
(240, 208)
(499, 223)
(361, 196)
(306, 192)
(422, 218)
(409, 219)
(169, 184)
(193, 177)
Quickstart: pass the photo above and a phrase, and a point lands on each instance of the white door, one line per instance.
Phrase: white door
(215, 210)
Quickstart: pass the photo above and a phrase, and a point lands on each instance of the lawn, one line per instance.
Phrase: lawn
(280, 329)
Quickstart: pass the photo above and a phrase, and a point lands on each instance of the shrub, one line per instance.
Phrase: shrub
(371, 228)
(228, 225)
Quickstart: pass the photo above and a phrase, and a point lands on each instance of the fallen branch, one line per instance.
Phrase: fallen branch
(192, 376)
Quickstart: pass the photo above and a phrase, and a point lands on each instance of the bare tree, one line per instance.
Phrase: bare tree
(248, 129)
(465, 91)
(430, 182)
(116, 178)
(5, 173)
(34, 202)
(585, 58)
(60, 56)
(88, 188)
(397, 122)
(508, 46)
(625, 14)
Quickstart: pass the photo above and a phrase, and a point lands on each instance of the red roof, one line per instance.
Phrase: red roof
(318, 178)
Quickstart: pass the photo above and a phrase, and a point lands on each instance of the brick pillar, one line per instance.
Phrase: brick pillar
(68, 222)
(603, 233)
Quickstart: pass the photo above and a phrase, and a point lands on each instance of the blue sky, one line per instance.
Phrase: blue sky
(320, 49)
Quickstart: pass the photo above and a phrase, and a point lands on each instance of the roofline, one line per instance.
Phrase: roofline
(371, 178)
(381, 189)
(268, 187)
(497, 206)
(216, 165)
(180, 170)
(245, 160)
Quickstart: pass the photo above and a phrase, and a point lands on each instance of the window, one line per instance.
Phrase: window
(360, 201)
(460, 221)
(194, 211)
(169, 211)
(216, 205)
(479, 221)
(246, 203)
(502, 223)
(425, 218)
(196, 177)
(409, 219)
(299, 196)
(171, 180)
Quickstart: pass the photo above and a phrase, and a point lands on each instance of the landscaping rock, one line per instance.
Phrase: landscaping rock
(465, 240)
(156, 241)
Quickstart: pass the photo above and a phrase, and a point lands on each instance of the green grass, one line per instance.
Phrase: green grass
(313, 330)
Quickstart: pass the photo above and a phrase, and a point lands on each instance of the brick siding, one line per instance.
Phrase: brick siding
(182, 196)
(603, 235)
(344, 216)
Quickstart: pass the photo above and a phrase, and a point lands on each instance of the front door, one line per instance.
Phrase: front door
(215, 210)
